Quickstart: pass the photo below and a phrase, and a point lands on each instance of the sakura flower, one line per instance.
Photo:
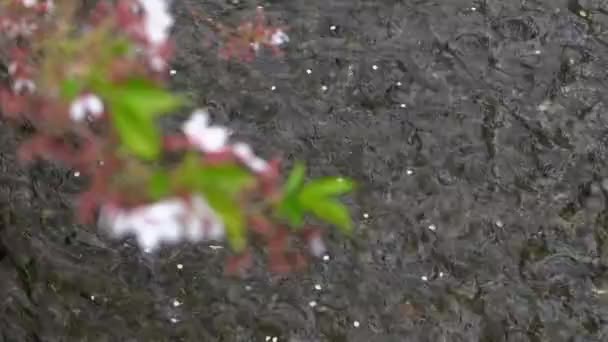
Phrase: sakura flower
(205, 137)
(158, 20)
(202, 222)
(151, 224)
(246, 156)
(317, 246)
(29, 3)
(88, 104)
(213, 139)
(22, 27)
(21, 85)
(13, 67)
(169, 221)
(279, 37)
(42, 6)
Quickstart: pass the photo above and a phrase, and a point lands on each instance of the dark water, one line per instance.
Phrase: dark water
(477, 129)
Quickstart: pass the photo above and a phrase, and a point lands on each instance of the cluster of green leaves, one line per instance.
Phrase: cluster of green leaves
(317, 197)
(136, 104)
(221, 186)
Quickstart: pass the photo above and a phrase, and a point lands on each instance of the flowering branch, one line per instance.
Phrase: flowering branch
(94, 106)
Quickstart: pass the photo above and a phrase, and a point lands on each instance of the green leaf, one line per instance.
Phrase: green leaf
(231, 215)
(228, 178)
(70, 88)
(291, 211)
(138, 133)
(159, 185)
(120, 47)
(333, 212)
(295, 179)
(324, 188)
(289, 208)
(145, 98)
(135, 104)
(186, 173)
(219, 185)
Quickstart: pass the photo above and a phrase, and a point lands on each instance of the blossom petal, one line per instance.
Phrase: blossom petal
(199, 133)
(246, 155)
(158, 20)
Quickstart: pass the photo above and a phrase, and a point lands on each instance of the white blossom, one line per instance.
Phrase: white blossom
(12, 68)
(88, 104)
(246, 155)
(29, 3)
(158, 20)
(279, 37)
(316, 246)
(157, 63)
(20, 85)
(169, 221)
(207, 138)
